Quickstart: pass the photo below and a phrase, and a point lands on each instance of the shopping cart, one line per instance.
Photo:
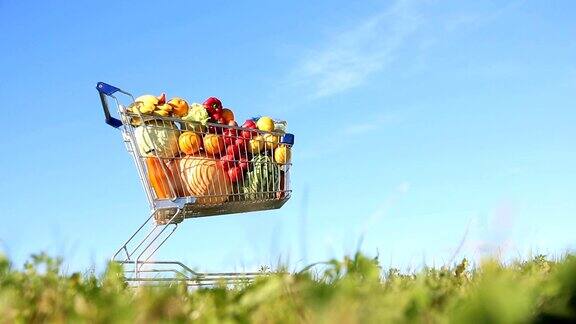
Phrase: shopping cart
(188, 171)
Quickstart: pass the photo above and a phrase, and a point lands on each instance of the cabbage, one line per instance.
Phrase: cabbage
(197, 113)
(265, 176)
(160, 139)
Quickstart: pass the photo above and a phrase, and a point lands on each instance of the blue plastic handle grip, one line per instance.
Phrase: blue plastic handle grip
(106, 89)
(287, 139)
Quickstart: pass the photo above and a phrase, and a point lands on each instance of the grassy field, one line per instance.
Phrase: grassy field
(353, 290)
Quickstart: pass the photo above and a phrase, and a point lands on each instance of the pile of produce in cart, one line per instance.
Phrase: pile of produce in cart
(200, 150)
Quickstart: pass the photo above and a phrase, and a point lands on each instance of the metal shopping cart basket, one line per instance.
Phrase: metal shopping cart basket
(196, 183)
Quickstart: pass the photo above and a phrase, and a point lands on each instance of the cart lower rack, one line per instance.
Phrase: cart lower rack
(193, 169)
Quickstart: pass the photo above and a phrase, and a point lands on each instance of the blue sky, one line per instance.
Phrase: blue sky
(420, 125)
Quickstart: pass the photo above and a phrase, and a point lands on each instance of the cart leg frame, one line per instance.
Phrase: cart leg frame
(177, 272)
(145, 249)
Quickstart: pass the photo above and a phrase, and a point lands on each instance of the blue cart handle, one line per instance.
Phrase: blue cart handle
(104, 90)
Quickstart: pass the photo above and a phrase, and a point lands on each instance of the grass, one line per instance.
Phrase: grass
(353, 290)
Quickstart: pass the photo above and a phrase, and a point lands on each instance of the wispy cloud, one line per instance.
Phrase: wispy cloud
(477, 19)
(320, 147)
(350, 57)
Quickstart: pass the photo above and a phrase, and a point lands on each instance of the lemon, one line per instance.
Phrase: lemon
(282, 154)
(271, 141)
(265, 124)
(256, 144)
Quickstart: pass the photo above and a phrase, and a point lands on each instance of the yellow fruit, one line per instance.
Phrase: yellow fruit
(257, 144)
(228, 115)
(145, 108)
(180, 106)
(271, 141)
(148, 100)
(189, 142)
(282, 154)
(213, 144)
(162, 113)
(265, 124)
(205, 180)
(165, 107)
(157, 139)
(133, 109)
(135, 121)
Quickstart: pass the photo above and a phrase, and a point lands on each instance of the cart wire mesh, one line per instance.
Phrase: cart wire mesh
(209, 169)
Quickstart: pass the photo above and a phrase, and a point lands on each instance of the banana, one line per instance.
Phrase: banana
(162, 113)
(148, 100)
(146, 108)
(165, 107)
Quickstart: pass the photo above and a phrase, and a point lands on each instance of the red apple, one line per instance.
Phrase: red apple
(237, 149)
(235, 174)
(248, 134)
(249, 123)
(230, 134)
(229, 137)
(243, 164)
(226, 162)
(240, 142)
(215, 130)
(233, 150)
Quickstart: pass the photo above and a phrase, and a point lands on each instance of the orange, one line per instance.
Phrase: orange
(189, 142)
(180, 106)
(228, 115)
(213, 144)
(282, 154)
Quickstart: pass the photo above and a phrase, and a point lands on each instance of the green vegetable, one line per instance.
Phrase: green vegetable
(263, 180)
(197, 113)
(157, 139)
